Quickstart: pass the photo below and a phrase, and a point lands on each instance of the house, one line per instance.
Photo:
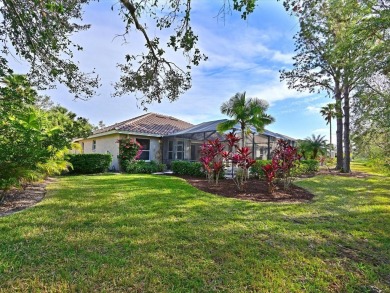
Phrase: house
(165, 139)
(147, 129)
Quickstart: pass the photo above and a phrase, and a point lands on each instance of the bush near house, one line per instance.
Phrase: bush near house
(142, 167)
(90, 163)
(187, 168)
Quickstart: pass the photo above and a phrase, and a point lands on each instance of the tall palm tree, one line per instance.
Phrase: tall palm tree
(329, 112)
(245, 112)
(317, 144)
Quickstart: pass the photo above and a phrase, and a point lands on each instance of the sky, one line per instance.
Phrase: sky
(243, 55)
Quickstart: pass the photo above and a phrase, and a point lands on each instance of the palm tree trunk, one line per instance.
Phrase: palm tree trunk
(330, 134)
(242, 135)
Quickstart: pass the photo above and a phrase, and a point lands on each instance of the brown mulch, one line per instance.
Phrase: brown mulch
(254, 190)
(15, 200)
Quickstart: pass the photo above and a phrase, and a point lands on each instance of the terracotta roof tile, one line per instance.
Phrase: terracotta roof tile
(150, 123)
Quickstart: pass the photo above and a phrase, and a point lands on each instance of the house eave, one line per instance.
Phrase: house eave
(119, 132)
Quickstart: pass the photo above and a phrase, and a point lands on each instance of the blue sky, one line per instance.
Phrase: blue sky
(243, 56)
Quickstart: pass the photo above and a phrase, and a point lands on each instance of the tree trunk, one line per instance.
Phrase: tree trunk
(242, 135)
(347, 150)
(339, 127)
(330, 137)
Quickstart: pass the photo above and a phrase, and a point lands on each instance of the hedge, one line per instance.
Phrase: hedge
(90, 163)
(142, 167)
(187, 168)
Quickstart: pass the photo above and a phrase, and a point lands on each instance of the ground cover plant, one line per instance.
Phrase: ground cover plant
(157, 233)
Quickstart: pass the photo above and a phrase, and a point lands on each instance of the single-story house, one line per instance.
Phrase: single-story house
(165, 138)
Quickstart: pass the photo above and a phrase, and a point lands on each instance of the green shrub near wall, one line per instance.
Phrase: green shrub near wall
(187, 168)
(256, 170)
(90, 163)
(142, 167)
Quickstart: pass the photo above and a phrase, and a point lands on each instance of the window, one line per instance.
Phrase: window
(180, 150)
(145, 143)
(94, 145)
(170, 150)
(82, 147)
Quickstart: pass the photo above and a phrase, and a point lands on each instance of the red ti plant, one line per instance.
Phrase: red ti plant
(240, 159)
(270, 174)
(212, 153)
(286, 157)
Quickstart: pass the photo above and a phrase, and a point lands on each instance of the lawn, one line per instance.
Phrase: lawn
(114, 233)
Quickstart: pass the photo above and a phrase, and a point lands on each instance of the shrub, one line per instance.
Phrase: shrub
(90, 163)
(312, 165)
(257, 168)
(142, 167)
(187, 168)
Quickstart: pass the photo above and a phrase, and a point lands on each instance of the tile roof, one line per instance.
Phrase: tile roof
(150, 123)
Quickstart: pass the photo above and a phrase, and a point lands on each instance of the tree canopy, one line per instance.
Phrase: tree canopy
(340, 45)
(40, 32)
(245, 112)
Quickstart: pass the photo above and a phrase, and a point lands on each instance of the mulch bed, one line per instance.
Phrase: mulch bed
(15, 200)
(254, 190)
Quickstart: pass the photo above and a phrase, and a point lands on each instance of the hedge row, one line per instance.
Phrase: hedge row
(142, 167)
(90, 163)
(187, 168)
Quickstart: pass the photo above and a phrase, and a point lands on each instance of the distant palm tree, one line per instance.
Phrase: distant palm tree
(329, 112)
(245, 112)
(317, 144)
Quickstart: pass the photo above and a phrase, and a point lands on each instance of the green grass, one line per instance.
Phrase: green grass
(135, 233)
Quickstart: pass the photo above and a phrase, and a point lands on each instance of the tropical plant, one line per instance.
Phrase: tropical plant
(212, 159)
(213, 155)
(284, 159)
(33, 140)
(245, 112)
(317, 145)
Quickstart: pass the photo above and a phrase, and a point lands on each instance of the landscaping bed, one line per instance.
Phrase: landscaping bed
(255, 190)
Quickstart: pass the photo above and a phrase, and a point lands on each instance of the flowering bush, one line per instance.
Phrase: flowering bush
(129, 150)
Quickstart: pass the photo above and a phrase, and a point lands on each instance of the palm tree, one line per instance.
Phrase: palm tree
(246, 112)
(329, 112)
(317, 144)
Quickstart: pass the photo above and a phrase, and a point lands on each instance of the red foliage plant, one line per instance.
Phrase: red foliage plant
(213, 154)
(285, 157)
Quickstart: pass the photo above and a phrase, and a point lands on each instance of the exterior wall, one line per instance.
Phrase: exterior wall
(104, 145)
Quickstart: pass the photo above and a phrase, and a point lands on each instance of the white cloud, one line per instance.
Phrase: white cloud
(313, 109)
